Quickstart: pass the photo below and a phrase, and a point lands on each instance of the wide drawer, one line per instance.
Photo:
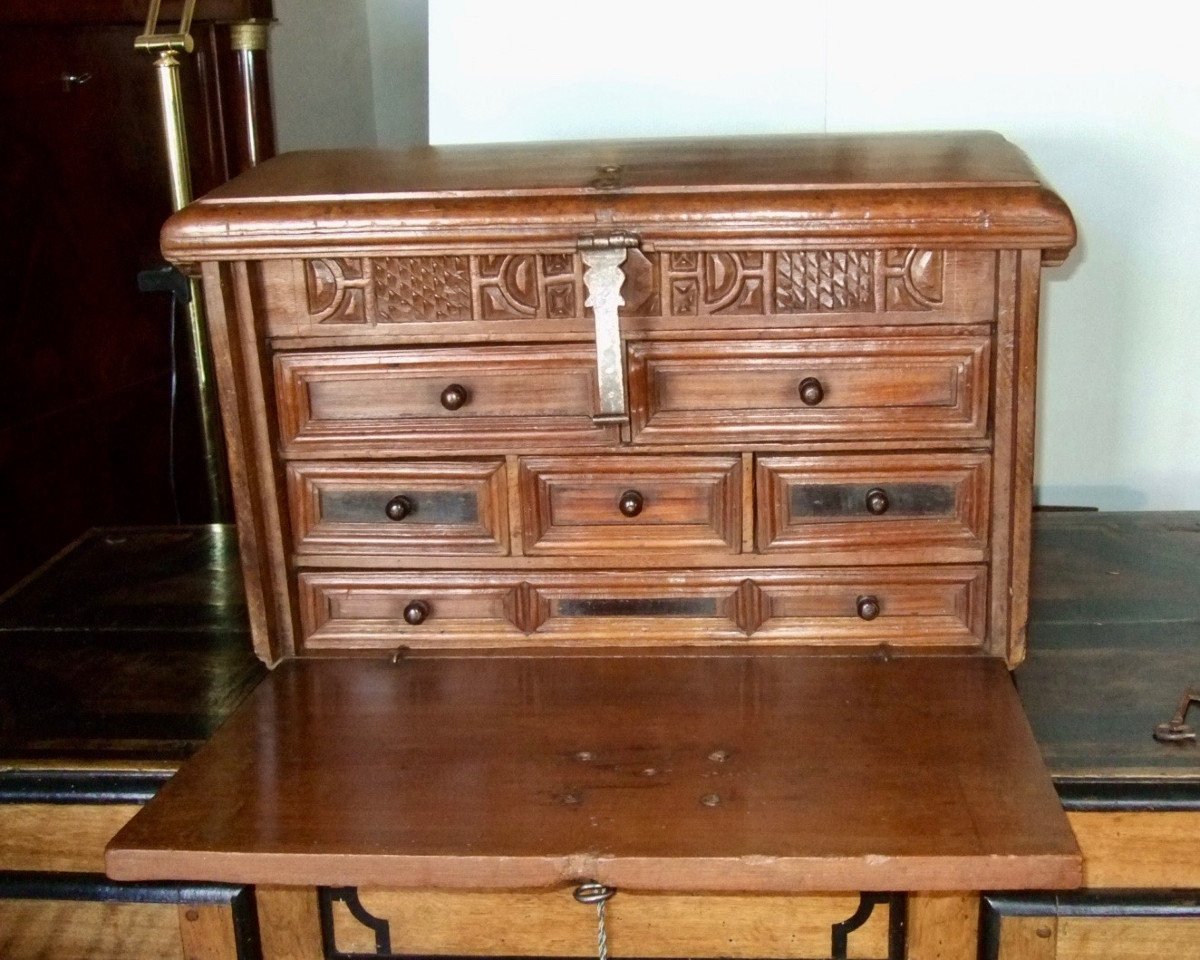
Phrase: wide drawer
(552, 923)
(599, 505)
(779, 392)
(444, 507)
(890, 508)
(905, 606)
(396, 403)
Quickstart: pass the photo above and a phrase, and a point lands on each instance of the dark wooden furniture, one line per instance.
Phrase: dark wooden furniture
(572, 454)
(1114, 608)
(1115, 641)
(84, 357)
(116, 661)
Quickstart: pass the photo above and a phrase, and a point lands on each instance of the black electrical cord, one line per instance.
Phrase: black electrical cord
(174, 403)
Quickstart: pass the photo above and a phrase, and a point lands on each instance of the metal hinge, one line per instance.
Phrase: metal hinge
(603, 277)
(607, 241)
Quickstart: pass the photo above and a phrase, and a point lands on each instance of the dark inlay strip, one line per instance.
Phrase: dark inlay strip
(1142, 796)
(79, 786)
(640, 607)
(850, 499)
(40, 885)
(428, 506)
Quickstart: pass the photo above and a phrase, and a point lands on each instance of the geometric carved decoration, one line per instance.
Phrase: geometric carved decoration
(749, 607)
(812, 281)
(682, 283)
(914, 279)
(704, 284)
(415, 288)
(525, 608)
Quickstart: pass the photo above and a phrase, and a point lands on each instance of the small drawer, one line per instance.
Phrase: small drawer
(386, 611)
(903, 508)
(448, 507)
(901, 605)
(601, 505)
(780, 392)
(399, 403)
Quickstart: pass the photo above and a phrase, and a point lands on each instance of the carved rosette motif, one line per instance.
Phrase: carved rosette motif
(679, 283)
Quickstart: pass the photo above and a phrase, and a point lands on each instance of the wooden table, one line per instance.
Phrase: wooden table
(1115, 640)
(118, 682)
(117, 660)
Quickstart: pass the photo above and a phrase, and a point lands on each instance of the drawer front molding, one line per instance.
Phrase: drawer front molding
(940, 605)
(401, 403)
(574, 506)
(891, 508)
(443, 507)
(770, 393)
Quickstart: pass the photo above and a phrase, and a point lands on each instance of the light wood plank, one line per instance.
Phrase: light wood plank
(1139, 849)
(1028, 938)
(207, 932)
(943, 926)
(70, 930)
(644, 925)
(1128, 938)
(288, 922)
(59, 836)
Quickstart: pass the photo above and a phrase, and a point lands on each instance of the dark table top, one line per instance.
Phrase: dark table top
(127, 650)
(1114, 642)
(131, 647)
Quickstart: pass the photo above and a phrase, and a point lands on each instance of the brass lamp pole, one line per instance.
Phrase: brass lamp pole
(168, 46)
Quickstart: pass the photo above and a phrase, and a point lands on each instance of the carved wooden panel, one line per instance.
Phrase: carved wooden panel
(887, 508)
(440, 507)
(345, 295)
(391, 403)
(751, 391)
(917, 605)
(571, 506)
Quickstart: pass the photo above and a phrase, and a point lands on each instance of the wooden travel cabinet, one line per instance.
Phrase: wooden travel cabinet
(651, 513)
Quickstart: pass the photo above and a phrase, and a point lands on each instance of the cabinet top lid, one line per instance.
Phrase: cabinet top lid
(954, 187)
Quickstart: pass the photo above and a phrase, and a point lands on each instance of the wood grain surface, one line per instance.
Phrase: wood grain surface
(973, 189)
(750, 774)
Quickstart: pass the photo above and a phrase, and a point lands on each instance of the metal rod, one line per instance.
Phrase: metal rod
(171, 99)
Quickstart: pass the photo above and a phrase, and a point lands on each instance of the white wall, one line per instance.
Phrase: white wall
(321, 74)
(400, 70)
(1108, 108)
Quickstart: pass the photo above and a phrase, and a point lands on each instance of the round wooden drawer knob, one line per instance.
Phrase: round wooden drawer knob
(631, 503)
(416, 612)
(398, 508)
(811, 391)
(877, 501)
(454, 397)
(868, 607)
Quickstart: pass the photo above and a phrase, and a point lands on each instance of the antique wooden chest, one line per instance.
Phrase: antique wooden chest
(649, 513)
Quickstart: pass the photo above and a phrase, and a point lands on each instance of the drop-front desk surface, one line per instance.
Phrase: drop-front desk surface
(95, 717)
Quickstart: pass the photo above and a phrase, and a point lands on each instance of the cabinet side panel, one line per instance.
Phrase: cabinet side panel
(237, 355)
(1004, 405)
(1028, 301)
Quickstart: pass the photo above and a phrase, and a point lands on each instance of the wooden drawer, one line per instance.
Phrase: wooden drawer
(890, 508)
(395, 403)
(443, 507)
(900, 605)
(552, 923)
(1126, 924)
(867, 389)
(603, 505)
